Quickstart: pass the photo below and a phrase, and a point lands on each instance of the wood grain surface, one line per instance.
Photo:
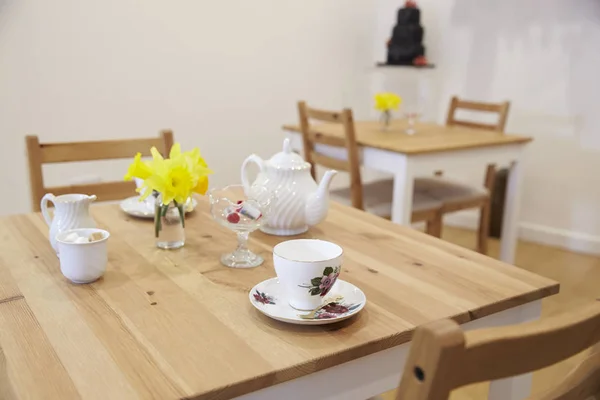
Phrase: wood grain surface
(430, 138)
(172, 324)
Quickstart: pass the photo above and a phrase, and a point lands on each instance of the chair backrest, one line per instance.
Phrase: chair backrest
(48, 153)
(310, 139)
(443, 357)
(499, 108)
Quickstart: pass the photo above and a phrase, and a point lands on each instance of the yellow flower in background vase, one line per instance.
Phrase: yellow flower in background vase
(386, 102)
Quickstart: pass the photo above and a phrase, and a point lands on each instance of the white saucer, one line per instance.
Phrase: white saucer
(141, 209)
(269, 298)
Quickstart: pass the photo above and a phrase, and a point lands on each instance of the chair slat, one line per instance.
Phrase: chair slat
(47, 153)
(328, 140)
(326, 116)
(100, 150)
(330, 162)
(105, 191)
(479, 106)
(476, 125)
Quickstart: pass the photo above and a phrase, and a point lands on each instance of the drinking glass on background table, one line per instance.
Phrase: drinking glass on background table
(242, 212)
(412, 119)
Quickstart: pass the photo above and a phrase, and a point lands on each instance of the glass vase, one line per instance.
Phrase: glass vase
(169, 224)
(385, 119)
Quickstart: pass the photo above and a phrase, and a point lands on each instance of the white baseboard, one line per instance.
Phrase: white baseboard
(568, 240)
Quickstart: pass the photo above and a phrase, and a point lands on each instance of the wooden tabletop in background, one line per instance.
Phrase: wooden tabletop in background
(169, 324)
(429, 138)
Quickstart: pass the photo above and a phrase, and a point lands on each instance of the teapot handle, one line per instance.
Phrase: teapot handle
(255, 159)
(44, 206)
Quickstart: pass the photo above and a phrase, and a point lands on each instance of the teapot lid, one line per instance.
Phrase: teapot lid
(287, 158)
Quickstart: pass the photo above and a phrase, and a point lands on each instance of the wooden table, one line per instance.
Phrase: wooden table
(173, 324)
(434, 147)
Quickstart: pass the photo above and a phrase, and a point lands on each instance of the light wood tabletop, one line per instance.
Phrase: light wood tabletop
(172, 324)
(429, 138)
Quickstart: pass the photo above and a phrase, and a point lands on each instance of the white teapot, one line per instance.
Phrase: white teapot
(299, 201)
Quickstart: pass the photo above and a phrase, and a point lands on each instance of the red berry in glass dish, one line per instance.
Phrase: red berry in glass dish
(233, 218)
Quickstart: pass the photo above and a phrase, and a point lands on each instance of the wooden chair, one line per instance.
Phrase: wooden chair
(375, 197)
(457, 196)
(48, 153)
(498, 108)
(443, 357)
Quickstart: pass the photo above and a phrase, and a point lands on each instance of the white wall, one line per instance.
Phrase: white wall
(544, 56)
(219, 73)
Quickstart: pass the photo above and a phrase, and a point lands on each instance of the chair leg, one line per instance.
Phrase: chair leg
(484, 228)
(434, 226)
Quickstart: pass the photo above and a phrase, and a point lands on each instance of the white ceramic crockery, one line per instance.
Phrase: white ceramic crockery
(307, 269)
(144, 209)
(83, 262)
(343, 301)
(299, 201)
(71, 211)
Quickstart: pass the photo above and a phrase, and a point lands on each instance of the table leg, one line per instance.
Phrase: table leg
(403, 191)
(510, 221)
(517, 387)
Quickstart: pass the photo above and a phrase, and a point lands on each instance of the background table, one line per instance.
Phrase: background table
(434, 147)
(172, 324)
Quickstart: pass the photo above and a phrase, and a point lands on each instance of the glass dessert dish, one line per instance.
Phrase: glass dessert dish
(243, 213)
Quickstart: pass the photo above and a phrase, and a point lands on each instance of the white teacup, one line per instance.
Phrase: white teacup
(83, 262)
(307, 269)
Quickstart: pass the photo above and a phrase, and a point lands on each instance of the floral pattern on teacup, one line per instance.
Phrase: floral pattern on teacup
(334, 309)
(321, 285)
(263, 298)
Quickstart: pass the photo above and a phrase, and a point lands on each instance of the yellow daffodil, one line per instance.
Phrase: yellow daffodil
(175, 178)
(138, 169)
(387, 101)
(202, 185)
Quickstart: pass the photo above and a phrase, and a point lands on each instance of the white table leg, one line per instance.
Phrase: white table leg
(403, 191)
(517, 387)
(510, 221)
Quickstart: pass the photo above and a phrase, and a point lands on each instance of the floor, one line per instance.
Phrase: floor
(578, 275)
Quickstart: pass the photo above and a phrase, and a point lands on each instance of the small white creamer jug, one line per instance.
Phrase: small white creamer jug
(71, 211)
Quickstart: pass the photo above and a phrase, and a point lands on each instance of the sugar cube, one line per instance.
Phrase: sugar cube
(81, 239)
(71, 237)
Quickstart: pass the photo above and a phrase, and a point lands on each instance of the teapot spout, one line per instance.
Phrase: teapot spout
(317, 203)
(323, 188)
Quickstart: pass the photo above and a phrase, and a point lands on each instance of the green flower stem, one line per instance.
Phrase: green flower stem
(157, 220)
(161, 212)
(181, 213)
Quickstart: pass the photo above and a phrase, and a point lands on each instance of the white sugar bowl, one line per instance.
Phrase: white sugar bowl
(82, 260)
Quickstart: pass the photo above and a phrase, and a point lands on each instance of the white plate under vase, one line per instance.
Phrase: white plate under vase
(143, 209)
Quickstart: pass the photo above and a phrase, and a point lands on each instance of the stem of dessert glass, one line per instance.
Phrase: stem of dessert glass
(242, 242)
